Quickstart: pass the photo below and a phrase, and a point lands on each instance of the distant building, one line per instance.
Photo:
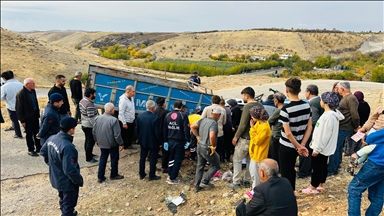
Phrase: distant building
(257, 58)
(285, 56)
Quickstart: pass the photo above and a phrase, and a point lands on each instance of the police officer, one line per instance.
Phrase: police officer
(64, 171)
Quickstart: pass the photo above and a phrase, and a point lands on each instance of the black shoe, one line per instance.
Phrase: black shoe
(95, 156)
(74, 213)
(143, 176)
(102, 179)
(154, 178)
(117, 177)
(197, 188)
(9, 128)
(33, 154)
(93, 161)
(18, 137)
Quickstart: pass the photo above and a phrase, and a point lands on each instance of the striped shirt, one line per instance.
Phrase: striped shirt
(88, 112)
(297, 115)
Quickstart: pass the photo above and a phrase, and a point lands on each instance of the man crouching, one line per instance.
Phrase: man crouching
(205, 131)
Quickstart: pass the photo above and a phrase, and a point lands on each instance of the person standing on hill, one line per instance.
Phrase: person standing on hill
(76, 93)
(161, 112)
(28, 113)
(364, 109)
(50, 119)
(8, 93)
(59, 88)
(127, 116)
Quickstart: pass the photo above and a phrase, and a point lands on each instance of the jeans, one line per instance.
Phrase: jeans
(241, 152)
(88, 143)
(77, 113)
(202, 158)
(253, 170)
(32, 129)
(336, 159)
(114, 152)
(176, 157)
(152, 161)
(15, 122)
(370, 176)
(68, 201)
(287, 164)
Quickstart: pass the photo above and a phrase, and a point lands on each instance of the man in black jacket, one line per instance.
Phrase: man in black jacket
(28, 113)
(76, 93)
(273, 196)
(176, 132)
(161, 112)
(59, 88)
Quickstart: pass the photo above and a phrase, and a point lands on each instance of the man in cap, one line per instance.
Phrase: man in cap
(61, 156)
(50, 119)
(107, 135)
(8, 93)
(206, 130)
(76, 93)
(28, 113)
(195, 79)
(59, 88)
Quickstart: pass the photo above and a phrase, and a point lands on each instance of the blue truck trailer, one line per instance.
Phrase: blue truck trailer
(110, 84)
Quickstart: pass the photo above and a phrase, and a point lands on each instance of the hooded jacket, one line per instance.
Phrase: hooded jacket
(324, 137)
(377, 155)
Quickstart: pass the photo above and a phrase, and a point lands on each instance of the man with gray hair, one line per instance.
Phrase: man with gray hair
(278, 100)
(107, 135)
(348, 106)
(311, 93)
(148, 131)
(127, 115)
(273, 196)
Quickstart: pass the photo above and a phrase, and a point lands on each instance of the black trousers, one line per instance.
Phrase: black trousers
(240, 210)
(275, 149)
(152, 161)
(32, 129)
(220, 147)
(68, 201)
(164, 158)
(77, 113)
(127, 134)
(88, 143)
(114, 152)
(228, 147)
(287, 164)
(305, 167)
(320, 170)
(15, 122)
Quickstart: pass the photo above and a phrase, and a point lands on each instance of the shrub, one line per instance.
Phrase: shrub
(378, 74)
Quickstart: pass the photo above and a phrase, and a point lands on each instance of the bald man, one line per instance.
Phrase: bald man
(274, 196)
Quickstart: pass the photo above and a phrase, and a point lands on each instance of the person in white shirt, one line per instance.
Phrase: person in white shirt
(127, 116)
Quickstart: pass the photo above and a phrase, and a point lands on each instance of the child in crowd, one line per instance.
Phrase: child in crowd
(324, 141)
(359, 157)
(260, 135)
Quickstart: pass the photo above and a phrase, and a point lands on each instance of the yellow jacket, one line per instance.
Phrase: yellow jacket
(260, 135)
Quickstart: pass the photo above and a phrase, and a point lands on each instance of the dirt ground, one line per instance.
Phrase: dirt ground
(26, 190)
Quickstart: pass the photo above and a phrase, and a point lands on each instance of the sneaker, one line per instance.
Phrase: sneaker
(117, 177)
(18, 137)
(232, 186)
(154, 178)
(33, 154)
(93, 161)
(95, 156)
(209, 185)
(308, 190)
(176, 181)
(10, 128)
(102, 179)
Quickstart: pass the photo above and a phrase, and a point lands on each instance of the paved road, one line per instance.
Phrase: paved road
(44, 92)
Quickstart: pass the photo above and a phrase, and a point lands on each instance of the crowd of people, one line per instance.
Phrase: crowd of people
(269, 137)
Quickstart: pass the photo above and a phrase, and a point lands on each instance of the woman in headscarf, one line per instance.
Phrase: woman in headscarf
(364, 109)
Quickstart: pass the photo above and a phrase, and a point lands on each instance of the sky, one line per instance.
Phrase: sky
(184, 16)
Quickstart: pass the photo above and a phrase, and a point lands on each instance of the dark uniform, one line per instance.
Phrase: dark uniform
(50, 123)
(64, 171)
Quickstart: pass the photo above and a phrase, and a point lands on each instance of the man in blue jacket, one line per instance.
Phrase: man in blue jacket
(371, 177)
(148, 131)
(50, 119)
(64, 171)
(176, 136)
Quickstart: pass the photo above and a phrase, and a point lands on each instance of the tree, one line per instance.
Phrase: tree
(378, 74)
(274, 56)
(322, 62)
(296, 58)
(288, 64)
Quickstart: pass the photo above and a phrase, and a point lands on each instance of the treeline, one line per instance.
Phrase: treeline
(125, 53)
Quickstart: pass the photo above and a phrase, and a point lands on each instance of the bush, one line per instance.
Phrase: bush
(378, 74)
